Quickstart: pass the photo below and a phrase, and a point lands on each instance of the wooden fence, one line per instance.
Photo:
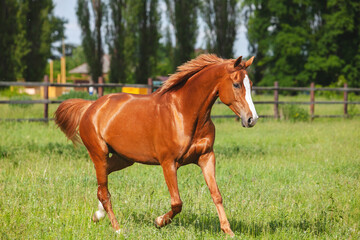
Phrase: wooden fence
(150, 86)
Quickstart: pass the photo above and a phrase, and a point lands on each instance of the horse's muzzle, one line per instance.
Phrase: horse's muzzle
(249, 122)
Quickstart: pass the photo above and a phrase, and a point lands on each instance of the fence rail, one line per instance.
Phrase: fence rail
(150, 86)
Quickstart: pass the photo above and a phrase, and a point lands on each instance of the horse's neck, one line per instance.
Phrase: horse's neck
(196, 98)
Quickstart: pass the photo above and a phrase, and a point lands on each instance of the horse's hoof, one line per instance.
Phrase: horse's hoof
(231, 234)
(98, 215)
(159, 222)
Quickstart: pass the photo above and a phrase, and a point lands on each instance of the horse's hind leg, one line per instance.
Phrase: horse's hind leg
(114, 163)
(98, 151)
(169, 170)
(100, 162)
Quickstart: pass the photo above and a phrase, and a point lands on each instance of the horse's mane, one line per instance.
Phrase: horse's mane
(188, 69)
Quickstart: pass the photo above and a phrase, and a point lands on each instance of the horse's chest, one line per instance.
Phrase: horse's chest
(196, 149)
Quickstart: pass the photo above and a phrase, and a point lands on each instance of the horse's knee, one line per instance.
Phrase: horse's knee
(103, 194)
(176, 208)
(217, 199)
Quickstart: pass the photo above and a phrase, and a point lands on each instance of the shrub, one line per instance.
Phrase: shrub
(12, 92)
(352, 108)
(20, 98)
(294, 113)
(77, 94)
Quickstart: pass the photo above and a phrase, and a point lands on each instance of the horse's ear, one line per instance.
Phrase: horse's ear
(249, 62)
(237, 62)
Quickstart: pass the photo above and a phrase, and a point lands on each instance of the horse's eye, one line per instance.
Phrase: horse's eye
(236, 85)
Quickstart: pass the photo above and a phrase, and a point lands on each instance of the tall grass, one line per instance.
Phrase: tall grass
(279, 180)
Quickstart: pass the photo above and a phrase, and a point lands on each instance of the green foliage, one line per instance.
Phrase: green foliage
(147, 25)
(353, 110)
(183, 16)
(42, 29)
(76, 58)
(298, 42)
(164, 65)
(15, 91)
(133, 34)
(28, 30)
(116, 41)
(92, 39)
(222, 19)
(8, 32)
(77, 94)
(294, 113)
(20, 97)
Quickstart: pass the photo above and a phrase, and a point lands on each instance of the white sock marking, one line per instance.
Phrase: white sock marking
(99, 214)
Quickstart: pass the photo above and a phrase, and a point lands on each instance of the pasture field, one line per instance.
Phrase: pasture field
(279, 180)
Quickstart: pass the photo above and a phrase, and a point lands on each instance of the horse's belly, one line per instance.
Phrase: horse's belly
(133, 148)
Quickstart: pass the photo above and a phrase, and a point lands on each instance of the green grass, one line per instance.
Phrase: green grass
(279, 180)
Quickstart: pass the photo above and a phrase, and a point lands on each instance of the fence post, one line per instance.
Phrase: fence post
(150, 86)
(46, 98)
(345, 100)
(100, 89)
(312, 100)
(276, 100)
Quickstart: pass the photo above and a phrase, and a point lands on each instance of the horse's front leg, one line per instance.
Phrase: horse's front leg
(169, 169)
(207, 164)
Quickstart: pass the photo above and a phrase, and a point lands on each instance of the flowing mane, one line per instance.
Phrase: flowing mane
(188, 69)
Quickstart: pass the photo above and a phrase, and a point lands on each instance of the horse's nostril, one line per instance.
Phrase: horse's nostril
(249, 120)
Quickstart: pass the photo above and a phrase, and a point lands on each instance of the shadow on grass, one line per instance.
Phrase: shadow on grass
(210, 223)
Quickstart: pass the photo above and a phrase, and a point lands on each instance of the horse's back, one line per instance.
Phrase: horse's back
(126, 123)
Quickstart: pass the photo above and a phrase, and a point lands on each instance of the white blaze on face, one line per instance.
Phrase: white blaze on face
(248, 97)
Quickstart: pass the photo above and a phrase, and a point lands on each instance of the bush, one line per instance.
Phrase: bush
(77, 94)
(20, 98)
(12, 92)
(352, 108)
(294, 113)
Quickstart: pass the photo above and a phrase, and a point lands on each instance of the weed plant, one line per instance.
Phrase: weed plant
(77, 94)
(294, 113)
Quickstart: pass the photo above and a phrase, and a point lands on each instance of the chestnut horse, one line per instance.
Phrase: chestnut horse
(170, 127)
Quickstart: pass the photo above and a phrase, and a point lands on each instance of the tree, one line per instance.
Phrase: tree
(296, 42)
(278, 33)
(183, 15)
(28, 31)
(92, 40)
(148, 40)
(42, 29)
(8, 33)
(116, 41)
(142, 39)
(334, 56)
(221, 18)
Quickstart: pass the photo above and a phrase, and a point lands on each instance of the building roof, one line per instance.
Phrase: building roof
(84, 68)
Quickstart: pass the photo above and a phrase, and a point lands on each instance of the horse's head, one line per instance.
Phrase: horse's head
(235, 91)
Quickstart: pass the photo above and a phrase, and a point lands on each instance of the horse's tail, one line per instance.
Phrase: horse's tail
(68, 116)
